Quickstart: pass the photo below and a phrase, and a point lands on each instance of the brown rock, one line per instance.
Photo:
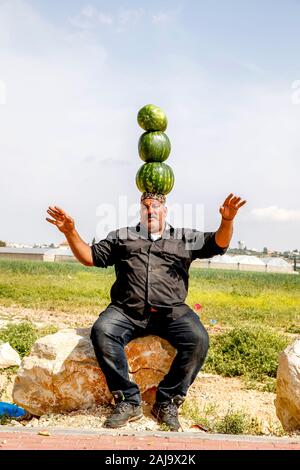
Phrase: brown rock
(62, 374)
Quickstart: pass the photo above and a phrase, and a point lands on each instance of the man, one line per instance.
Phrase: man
(151, 262)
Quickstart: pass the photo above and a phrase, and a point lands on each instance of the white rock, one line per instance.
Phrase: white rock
(8, 356)
(287, 400)
(13, 422)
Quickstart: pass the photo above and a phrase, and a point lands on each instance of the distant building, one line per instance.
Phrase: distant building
(241, 245)
(17, 245)
(37, 254)
(246, 263)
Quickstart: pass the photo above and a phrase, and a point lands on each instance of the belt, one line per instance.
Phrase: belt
(160, 309)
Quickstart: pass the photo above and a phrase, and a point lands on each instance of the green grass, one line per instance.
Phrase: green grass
(232, 298)
(23, 335)
(251, 353)
(54, 286)
(235, 421)
(237, 298)
(5, 419)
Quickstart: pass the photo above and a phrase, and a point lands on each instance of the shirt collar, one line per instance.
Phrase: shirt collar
(167, 233)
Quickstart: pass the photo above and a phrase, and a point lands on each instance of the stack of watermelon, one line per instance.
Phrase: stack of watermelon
(154, 148)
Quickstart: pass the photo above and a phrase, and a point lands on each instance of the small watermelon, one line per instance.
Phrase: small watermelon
(154, 146)
(155, 177)
(152, 118)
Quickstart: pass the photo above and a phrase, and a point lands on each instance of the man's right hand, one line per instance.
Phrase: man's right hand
(62, 220)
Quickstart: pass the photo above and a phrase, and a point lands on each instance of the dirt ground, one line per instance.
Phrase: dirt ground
(213, 395)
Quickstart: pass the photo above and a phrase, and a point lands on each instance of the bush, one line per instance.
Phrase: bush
(246, 352)
(234, 422)
(238, 422)
(23, 335)
(294, 329)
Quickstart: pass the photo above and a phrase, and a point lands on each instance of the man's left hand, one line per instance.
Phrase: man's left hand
(230, 206)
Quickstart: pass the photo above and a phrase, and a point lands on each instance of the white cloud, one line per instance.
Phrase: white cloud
(166, 16)
(275, 214)
(90, 18)
(250, 67)
(130, 16)
(89, 11)
(104, 18)
(161, 18)
(80, 22)
(3, 92)
(92, 159)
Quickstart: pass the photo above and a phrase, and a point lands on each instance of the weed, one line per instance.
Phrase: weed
(295, 329)
(5, 419)
(164, 427)
(234, 422)
(22, 336)
(252, 353)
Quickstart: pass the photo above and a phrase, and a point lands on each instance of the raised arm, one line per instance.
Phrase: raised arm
(81, 250)
(228, 212)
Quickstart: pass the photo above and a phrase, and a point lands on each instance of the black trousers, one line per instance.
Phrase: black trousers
(114, 329)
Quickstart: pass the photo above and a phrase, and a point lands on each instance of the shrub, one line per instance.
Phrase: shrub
(246, 352)
(238, 422)
(234, 422)
(294, 329)
(21, 336)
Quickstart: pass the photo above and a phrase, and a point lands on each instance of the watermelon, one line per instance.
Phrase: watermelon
(155, 177)
(152, 118)
(154, 146)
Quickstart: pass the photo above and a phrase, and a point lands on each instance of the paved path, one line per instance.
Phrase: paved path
(77, 439)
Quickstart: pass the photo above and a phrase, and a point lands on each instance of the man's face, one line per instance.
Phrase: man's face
(153, 214)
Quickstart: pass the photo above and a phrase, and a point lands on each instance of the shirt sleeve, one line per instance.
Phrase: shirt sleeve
(204, 246)
(104, 252)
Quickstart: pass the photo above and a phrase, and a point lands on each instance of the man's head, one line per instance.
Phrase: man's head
(153, 211)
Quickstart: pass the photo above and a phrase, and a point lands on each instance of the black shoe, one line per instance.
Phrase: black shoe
(167, 412)
(124, 412)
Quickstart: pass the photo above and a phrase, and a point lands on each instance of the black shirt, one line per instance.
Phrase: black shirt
(152, 273)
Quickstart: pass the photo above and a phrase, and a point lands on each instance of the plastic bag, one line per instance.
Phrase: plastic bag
(13, 411)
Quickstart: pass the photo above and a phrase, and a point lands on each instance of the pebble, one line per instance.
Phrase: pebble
(44, 433)
(16, 423)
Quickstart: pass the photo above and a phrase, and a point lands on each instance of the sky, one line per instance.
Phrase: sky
(73, 75)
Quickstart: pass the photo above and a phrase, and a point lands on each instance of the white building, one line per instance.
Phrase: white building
(37, 254)
(246, 263)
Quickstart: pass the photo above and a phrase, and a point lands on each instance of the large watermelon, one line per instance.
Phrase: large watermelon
(155, 177)
(152, 118)
(154, 146)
